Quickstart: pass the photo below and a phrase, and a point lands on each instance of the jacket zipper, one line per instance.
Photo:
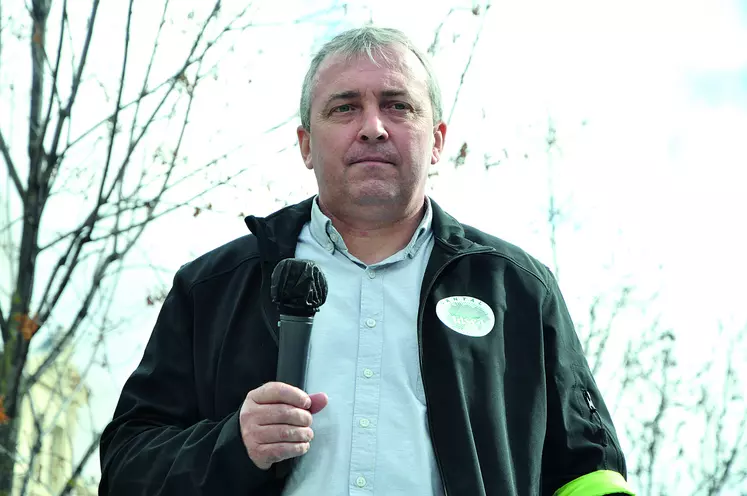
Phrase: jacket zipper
(607, 437)
(596, 418)
(589, 402)
(421, 311)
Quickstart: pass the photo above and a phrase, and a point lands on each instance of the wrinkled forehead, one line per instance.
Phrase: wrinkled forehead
(395, 64)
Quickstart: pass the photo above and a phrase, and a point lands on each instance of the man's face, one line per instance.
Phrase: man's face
(372, 135)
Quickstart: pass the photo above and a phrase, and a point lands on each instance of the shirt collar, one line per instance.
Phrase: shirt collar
(328, 237)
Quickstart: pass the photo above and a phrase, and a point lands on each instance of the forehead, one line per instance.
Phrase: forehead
(400, 68)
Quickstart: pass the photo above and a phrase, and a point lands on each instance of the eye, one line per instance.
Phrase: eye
(342, 109)
(400, 106)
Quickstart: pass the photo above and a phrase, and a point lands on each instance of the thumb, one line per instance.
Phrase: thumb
(318, 402)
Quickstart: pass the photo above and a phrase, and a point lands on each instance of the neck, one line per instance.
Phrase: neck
(374, 240)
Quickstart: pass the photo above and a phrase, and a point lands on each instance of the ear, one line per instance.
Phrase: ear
(304, 143)
(439, 138)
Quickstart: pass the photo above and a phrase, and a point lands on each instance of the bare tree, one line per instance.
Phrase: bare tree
(661, 405)
(112, 145)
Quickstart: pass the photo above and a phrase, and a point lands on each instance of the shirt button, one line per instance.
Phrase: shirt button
(371, 274)
(367, 373)
(364, 422)
(360, 482)
(371, 323)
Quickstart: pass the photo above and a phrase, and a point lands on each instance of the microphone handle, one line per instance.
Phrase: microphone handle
(293, 343)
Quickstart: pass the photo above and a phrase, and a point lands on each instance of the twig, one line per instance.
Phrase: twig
(469, 61)
(79, 468)
(189, 62)
(4, 326)
(66, 112)
(736, 450)
(434, 44)
(11, 168)
(55, 76)
(146, 78)
(35, 450)
(133, 145)
(60, 345)
(172, 208)
(75, 248)
(115, 119)
(606, 333)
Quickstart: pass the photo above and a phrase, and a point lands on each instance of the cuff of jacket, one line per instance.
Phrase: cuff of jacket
(232, 462)
(599, 483)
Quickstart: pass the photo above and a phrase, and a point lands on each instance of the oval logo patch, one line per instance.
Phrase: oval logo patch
(466, 315)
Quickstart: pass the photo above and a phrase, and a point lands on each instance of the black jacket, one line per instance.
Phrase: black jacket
(515, 412)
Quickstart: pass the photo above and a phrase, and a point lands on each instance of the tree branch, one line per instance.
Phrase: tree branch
(70, 485)
(114, 256)
(736, 451)
(189, 62)
(11, 168)
(170, 209)
(91, 220)
(39, 14)
(61, 344)
(35, 450)
(115, 119)
(4, 326)
(55, 77)
(149, 204)
(436, 36)
(146, 78)
(66, 112)
(469, 62)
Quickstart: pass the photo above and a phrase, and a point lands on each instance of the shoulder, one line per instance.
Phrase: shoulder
(514, 256)
(224, 261)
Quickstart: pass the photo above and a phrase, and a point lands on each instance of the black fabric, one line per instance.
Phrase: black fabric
(508, 412)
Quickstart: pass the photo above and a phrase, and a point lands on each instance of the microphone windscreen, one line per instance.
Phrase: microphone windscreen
(298, 287)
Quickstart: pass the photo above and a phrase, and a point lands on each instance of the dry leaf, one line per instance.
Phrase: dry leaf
(29, 325)
(4, 419)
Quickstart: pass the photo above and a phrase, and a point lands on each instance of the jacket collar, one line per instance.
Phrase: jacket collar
(278, 233)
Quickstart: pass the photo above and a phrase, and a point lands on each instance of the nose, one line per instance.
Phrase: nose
(372, 128)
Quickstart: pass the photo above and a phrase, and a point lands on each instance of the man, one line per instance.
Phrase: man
(443, 362)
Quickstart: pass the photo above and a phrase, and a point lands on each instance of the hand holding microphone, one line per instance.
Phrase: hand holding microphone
(275, 418)
(275, 422)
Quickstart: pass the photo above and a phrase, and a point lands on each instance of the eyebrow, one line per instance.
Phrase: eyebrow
(351, 94)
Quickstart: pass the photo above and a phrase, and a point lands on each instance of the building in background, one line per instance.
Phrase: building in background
(52, 407)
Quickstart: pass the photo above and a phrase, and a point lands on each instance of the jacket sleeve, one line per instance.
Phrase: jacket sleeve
(582, 455)
(158, 442)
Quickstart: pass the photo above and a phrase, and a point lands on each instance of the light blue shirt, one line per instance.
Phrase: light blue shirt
(372, 438)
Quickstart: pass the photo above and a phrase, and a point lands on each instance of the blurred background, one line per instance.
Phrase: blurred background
(606, 138)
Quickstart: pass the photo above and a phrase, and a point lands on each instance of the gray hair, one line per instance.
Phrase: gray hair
(371, 41)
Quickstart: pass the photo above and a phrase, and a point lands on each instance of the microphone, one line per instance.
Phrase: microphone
(298, 287)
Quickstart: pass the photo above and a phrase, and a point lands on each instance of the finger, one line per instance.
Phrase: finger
(282, 414)
(277, 452)
(279, 392)
(318, 401)
(281, 433)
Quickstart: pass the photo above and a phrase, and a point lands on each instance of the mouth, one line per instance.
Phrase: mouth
(372, 162)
